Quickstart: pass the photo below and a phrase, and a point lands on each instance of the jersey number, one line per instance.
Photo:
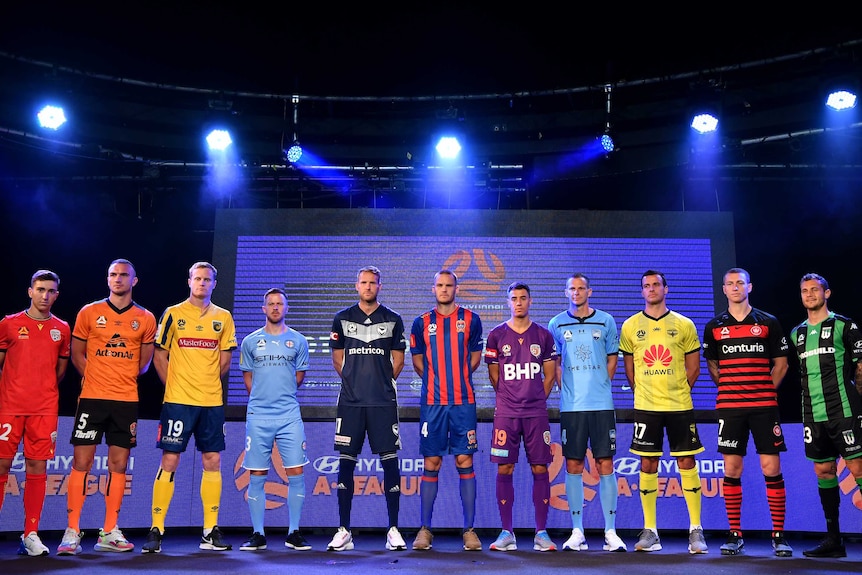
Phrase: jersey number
(175, 428)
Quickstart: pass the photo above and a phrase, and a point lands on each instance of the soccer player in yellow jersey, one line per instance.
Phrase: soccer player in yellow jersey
(194, 342)
(661, 354)
(112, 345)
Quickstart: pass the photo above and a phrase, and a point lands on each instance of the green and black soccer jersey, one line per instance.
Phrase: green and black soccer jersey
(828, 353)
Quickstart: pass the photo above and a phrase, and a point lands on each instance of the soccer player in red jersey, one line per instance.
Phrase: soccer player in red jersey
(34, 353)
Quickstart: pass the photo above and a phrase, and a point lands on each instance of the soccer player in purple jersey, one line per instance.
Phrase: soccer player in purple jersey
(522, 361)
(446, 346)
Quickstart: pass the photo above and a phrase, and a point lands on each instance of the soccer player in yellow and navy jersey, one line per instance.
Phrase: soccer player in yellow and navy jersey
(194, 343)
(661, 354)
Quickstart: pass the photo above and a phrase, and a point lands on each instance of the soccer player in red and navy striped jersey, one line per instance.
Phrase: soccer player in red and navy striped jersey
(446, 346)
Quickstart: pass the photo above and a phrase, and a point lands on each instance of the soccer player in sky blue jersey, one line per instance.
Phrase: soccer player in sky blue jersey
(522, 367)
(274, 360)
(588, 344)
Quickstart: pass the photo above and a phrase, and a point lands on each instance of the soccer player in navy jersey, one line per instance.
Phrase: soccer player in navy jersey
(746, 353)
(367, 343)
(273, 361)
(446, 346)
(522, 367)
(829, 347)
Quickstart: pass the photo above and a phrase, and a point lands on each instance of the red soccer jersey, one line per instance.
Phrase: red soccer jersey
(28, 382)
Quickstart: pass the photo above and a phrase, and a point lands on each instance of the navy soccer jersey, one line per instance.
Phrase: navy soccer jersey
(744, 351)
(445, 343)
(520, 387)
(367, 378)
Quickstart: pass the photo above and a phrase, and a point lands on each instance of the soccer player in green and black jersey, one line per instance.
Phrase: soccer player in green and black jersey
(829, 347)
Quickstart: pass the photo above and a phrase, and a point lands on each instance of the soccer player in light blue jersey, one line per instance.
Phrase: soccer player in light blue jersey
(588, 344)
(274, 360)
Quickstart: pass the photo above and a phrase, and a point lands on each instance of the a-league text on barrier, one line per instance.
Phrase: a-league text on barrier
(369, 509)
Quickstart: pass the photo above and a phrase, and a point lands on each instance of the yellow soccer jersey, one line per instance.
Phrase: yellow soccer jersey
(195, 341)
(659, 347)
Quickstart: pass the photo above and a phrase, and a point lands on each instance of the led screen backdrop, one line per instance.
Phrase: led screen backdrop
(315, 254)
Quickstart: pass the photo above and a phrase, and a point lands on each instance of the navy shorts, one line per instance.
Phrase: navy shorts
(353, 422)
(179, 423)
(598, 429)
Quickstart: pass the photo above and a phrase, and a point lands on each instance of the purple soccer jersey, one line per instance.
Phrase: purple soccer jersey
(520, 388)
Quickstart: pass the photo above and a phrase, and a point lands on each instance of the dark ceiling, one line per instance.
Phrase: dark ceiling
(527, 88)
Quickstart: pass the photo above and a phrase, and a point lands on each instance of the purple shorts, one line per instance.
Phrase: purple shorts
(506, 440)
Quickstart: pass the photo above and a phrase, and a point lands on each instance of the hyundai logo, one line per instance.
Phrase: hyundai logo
(627, 466)
(326, 464)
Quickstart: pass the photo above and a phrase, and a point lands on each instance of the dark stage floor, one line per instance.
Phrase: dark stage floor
(180, 553)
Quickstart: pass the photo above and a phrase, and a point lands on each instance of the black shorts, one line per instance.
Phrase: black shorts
(352, 422)
(649, 428)
(735, 425)
(116, 420)
(827, 440)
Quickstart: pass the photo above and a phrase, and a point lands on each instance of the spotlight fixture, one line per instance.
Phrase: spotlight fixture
(448, 147)
(704, 123)
(293, 153)
(51, 117)
(607, 142)
(219, 139)
(841, 100)
(606, 139)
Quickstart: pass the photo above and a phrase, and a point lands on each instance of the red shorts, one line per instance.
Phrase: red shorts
(39, 433)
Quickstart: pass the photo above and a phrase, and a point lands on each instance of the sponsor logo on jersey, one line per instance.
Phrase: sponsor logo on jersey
(657, 354)
(197, 342)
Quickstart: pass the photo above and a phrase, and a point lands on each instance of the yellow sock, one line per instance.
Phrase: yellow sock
(692, 491)
(211, 497)
(163, 492)
(649, 494)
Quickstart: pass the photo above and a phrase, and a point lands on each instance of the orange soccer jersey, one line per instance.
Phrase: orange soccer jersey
(114, 338)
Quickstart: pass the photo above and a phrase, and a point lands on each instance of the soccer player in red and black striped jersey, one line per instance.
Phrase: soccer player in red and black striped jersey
(446, 346)
(746, 353)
